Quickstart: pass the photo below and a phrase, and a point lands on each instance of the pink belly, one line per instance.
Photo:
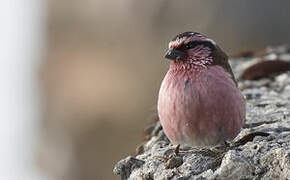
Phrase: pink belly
(203, 108)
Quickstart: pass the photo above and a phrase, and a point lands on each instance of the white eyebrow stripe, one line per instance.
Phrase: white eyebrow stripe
(210, 40)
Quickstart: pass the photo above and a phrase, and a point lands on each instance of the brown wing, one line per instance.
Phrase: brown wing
(220, 58)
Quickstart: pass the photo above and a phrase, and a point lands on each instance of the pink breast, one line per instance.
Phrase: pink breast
(202, 108)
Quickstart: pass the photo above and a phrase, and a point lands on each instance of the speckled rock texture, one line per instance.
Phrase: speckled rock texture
(260, 151)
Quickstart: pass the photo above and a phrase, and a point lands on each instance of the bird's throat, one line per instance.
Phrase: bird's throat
(185, 66)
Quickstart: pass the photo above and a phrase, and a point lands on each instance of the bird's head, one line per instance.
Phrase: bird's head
(194, 49)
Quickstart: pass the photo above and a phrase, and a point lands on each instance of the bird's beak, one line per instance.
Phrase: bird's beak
(173, 54)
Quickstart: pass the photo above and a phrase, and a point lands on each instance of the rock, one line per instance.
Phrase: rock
(260, 151)
(126, 166)
(234, 166)
(277, 164)
(174, 162)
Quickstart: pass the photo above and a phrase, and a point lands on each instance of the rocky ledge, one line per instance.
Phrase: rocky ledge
(260, 151)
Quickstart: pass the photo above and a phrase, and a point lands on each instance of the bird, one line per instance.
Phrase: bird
(199, 102)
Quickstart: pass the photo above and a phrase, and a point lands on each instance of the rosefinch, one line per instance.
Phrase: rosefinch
(199, 102)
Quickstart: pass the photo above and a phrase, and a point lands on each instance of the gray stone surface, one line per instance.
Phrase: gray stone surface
(260, 151)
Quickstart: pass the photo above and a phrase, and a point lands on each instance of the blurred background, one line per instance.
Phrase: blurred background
(80, 79)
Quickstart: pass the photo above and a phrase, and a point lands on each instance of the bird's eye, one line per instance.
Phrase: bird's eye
(188, 46)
